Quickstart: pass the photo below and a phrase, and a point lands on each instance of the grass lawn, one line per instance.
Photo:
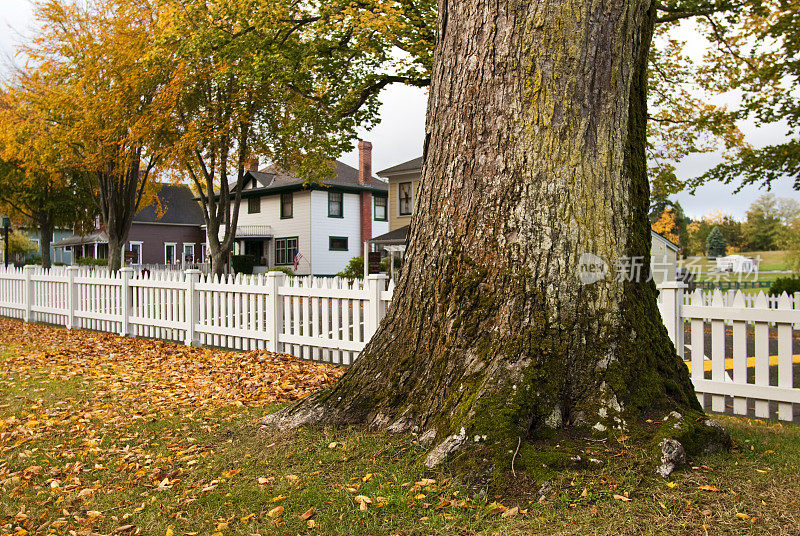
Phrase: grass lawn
(770, 260)
(104, 435)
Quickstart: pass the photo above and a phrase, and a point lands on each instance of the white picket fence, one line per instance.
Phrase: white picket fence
(740, 347)
(323, 319)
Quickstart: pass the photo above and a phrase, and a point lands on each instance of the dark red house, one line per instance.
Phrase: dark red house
(167, 232)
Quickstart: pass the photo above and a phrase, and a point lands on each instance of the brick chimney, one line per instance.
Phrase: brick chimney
(365, 178)
(252, 164)
(364, 162)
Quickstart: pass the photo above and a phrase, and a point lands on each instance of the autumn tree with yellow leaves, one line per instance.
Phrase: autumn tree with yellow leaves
(105, 96)
(667, 226)
(36, 186)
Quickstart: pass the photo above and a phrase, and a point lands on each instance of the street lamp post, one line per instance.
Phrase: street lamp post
(6, 227)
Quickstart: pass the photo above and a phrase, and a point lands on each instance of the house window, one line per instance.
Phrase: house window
(286, 205)
(188, 253)
(380, 208)
(335, 205)
(405, 193)
(337, 243)
(170, 249)
(203, 253)
(253, 205)
(136, 253)
(285, 249)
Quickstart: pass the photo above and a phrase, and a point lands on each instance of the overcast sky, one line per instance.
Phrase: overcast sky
(398, 137)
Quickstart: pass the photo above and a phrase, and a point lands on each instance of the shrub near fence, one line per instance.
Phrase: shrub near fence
(323, 319)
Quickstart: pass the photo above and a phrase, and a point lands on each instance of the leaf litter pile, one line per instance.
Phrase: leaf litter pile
(102, 434)
(162, 373)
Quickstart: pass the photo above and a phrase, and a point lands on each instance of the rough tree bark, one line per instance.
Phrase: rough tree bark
(535, 156)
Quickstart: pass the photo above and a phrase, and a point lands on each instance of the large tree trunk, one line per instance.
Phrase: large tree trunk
(535, 157)
(46, 237)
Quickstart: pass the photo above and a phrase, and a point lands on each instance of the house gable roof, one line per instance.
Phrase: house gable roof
(273, 180)
(415, 164)
(178, 204)
(669, 243)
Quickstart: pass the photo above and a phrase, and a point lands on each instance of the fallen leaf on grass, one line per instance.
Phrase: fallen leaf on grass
(511, 512)
(708, 487)
(307, 514)
(496, 508)
(275, 512)
(362, 501)
(622, 498)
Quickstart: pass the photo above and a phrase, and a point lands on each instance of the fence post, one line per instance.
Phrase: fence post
(376, 283)
(27, 291)
(192, 306)
(126, 272)
(274, 309)
(72, 296)
(671, 312)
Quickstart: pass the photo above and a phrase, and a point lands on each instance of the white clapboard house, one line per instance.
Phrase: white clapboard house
(327, 224)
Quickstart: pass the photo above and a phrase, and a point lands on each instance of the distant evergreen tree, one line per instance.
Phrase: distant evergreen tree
(715, 243)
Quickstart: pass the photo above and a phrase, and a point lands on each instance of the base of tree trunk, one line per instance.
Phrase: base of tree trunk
(670, 441)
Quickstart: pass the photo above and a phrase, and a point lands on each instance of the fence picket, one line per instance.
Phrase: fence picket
(717, 352)
(761, 356)
(698, 345)
(784, 358)
(739, 355)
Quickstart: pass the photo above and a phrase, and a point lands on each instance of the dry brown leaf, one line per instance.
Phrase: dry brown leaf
(307, 514)
(511, 512)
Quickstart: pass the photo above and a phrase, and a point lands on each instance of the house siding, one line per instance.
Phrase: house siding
(298, 225)
(395, 219)
(324, 261)
(154, 236)
(664, 260)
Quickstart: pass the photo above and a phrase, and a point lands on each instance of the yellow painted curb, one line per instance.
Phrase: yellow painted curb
(751, 362)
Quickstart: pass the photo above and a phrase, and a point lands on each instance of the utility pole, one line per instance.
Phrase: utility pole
(6, 227)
